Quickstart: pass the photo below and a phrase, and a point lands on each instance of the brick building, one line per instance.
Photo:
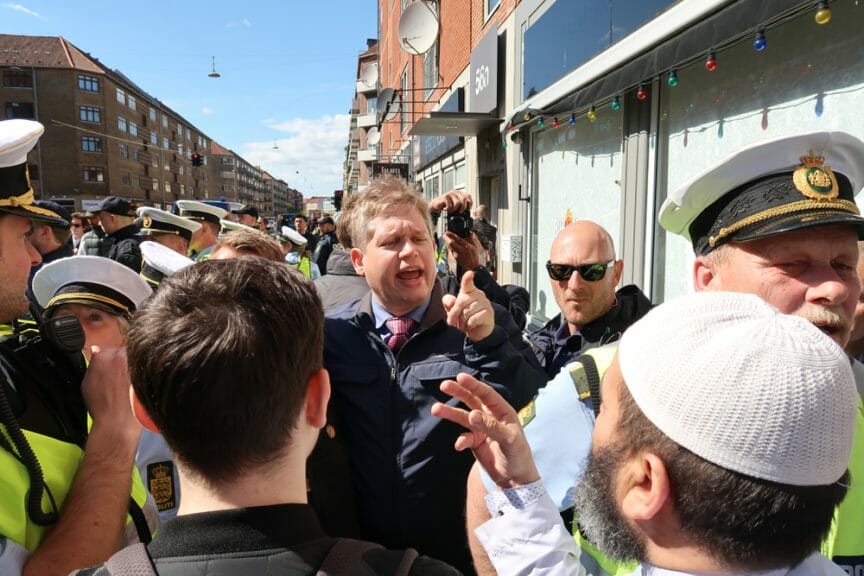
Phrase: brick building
(360, 152)
(107, 136)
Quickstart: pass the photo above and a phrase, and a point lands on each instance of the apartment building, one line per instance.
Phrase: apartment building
(107, 136)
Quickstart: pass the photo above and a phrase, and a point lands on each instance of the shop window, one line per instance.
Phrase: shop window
(459, 176)
(449, 180)
(791, 87)
(577, 170)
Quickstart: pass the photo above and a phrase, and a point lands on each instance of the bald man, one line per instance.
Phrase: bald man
(584, 272)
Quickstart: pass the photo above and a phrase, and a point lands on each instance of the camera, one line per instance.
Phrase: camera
(460, 223)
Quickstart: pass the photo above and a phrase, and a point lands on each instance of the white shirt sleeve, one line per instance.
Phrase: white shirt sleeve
(526, 534)
(12, 558)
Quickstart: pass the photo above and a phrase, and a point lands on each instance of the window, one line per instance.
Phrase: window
(93, 174)
(179, 131)
(152, 114)
(133, 129)
(168, 187)
(181, 168)
(17, 78)
(154, 160)
(164, 121)
(430, 71)
(188, 134)
(134, 154)
(587, 153)
(448, 182)
(121, 96)
(91, 144)
(403, 116)
(154, 138)
(121, 124)
(124, 151)
(88, 83)
(155, 184)
(180, 149)
(19, 110)
(490, 6)
(459, 180)
(165, 144)
(131, 102)
(125, 178)
(90, 114)
(182, 190)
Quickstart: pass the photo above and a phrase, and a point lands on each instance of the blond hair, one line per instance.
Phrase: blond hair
(384, 194)
(251, 243)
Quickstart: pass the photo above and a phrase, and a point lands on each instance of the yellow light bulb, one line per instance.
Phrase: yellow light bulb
(823, 15)
(592, 115)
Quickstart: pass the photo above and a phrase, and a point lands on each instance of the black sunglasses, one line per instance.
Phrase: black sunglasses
(588, 272)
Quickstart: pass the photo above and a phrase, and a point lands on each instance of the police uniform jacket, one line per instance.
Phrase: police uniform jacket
(409, 481)
(123, 246)
(631, 305)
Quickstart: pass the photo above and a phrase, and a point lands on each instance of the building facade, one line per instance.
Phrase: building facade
(104, 135)
(597, 109)
(363, 133)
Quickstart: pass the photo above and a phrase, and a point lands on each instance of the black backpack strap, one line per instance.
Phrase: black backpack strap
(355, 557)
(131, 561)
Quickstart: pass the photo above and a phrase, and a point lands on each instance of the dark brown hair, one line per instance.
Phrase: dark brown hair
(220, 358)
(745, 522)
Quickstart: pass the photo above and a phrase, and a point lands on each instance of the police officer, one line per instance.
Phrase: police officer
(168, 229)
(210, 217)
(62, 504)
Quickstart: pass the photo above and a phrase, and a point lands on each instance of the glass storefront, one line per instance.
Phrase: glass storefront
(810, 77)
(576, 176)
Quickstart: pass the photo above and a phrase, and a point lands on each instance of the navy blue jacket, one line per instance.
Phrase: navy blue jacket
(408, 479)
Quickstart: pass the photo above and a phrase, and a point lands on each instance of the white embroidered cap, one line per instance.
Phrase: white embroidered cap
(743, 386)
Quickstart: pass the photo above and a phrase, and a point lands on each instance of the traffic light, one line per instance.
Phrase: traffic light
(197, 160)
(337, 200)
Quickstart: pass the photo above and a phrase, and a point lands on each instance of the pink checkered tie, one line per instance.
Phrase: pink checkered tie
(400, 329)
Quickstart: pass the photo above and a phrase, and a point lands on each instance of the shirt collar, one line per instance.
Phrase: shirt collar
(562, 334)
(381, 314)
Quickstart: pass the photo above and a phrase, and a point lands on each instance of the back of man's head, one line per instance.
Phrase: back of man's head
(216, 361)
(752, 414)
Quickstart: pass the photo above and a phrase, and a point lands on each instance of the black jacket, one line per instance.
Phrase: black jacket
(631, 305)
(123, 246)
(409, 481)
(323, 249)
(341, 288)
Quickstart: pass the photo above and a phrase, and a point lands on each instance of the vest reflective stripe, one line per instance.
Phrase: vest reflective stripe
(59, 461)
(304, 266)
(845, 542)
(594, 562)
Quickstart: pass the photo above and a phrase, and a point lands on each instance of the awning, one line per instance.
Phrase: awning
(453, 124)
(673, 39)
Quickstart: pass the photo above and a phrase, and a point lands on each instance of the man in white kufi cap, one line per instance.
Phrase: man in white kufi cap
(211, 218)
(722, 448)
(64, 486)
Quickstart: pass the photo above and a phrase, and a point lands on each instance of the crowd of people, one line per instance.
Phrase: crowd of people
(192, 393)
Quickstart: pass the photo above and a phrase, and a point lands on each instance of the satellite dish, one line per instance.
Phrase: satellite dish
(369, 74)
(418, 28)
(388, 104)
(373, 136)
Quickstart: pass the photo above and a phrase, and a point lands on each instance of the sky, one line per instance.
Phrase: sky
(288, 69)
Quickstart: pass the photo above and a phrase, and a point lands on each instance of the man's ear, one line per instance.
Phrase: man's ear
(317, 397)
(704, 275)
(619, 269)
(141, 412)
(357, 260)
(644, 487)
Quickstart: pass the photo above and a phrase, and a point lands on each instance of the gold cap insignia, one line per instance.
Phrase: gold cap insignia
(148, 222)
(815, 180)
